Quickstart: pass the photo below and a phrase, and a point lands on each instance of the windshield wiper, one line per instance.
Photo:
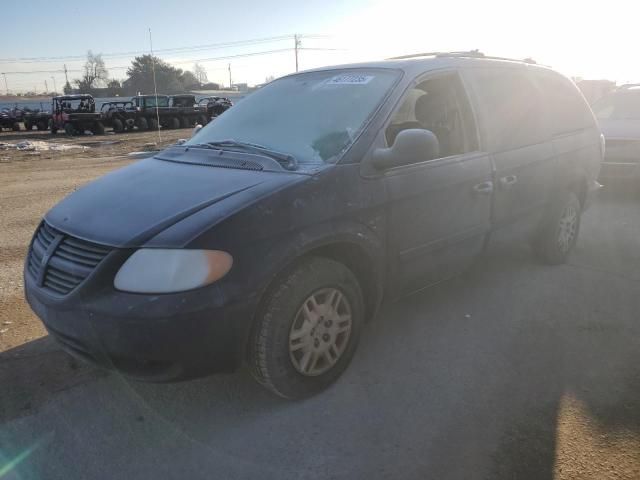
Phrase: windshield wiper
(286, 160)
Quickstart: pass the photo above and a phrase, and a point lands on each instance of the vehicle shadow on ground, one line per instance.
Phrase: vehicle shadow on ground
(488, 375)
(33, 373)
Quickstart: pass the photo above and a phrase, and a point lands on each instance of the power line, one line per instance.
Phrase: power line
(211, 46)
(180, 62)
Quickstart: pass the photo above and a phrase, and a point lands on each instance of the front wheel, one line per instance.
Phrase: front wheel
(117, 125)
(98, 128)
(142, 124)
(308, 329)
(559, 232)
(69, 129)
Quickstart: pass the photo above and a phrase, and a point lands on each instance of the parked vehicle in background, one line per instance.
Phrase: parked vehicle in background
(272, 235)
(187, 109)
(38, 119)
(619, 117)
(119, 116)
(75, 114)
(172, 111)
(10, 119)
(214, 106)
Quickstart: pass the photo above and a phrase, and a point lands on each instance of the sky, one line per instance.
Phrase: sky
(584, 39)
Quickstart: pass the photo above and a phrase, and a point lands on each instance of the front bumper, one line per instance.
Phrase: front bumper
(157, 338)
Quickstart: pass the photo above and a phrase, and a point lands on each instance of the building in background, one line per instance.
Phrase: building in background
(594, 90)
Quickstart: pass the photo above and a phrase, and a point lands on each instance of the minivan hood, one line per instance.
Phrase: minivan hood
(126, 207)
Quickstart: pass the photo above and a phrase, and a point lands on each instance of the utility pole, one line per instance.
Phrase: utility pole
(230, 84)
(46, 87)
(296, 44)
(55, 90)
(65, 73)
(6, 87)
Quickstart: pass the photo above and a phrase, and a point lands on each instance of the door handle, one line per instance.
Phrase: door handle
(508, 181)
(484, 188)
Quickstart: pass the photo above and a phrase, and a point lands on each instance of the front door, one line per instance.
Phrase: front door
(438, 209)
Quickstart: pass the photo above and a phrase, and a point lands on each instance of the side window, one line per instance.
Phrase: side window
(440, 105)
(511, 106)
(567, 109)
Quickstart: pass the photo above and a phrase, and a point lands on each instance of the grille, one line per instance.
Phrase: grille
(70, 260)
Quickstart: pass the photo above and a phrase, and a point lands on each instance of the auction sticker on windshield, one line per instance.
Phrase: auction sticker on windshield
(350, 79)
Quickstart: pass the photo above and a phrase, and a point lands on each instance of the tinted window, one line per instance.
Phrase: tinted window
(511, 108)
(567, 109)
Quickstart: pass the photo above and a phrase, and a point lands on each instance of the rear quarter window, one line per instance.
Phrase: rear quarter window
(567, 110)
(510, 107)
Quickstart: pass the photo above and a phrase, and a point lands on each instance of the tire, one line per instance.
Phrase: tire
(15, 127)
(306, 369)
(98, 128)
(174, 122)
(69, 129)
(142, 124)
(559, 231)
(185, 122)
(117, 125)
(54, 130)
(202, 120)
(28, 127)
(153, 124)
(41, 125)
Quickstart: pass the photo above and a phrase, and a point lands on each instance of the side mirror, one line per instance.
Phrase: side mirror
(410, 146)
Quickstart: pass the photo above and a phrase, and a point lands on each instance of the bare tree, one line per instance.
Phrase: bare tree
(95, 73)
(200, 73)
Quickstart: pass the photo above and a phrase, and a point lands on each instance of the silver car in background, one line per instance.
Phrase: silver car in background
(619, 117)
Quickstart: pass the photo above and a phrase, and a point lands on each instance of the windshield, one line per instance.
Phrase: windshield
(313, 116)
(623, 106)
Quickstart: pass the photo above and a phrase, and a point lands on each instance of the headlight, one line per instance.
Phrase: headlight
(151, 270)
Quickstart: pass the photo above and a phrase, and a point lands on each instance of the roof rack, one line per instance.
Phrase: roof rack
(461, 54)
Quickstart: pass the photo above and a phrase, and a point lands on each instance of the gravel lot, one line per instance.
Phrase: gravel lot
(514, 370)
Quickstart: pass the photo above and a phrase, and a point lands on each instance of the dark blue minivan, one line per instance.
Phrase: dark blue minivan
(271, 236)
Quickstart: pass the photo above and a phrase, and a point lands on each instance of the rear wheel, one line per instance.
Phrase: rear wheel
(175, 122)
(27, 126)
(118, 126)
(185, 122)
(41, 125)
(69, 129)
(15, 127)
(559, 232)
(202, 120)
(98, 128)
(142, 124)
(308, 329)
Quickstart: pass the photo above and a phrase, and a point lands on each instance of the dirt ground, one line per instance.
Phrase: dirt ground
(30, 184)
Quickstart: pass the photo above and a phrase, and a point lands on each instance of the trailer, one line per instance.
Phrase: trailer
(75, 114)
